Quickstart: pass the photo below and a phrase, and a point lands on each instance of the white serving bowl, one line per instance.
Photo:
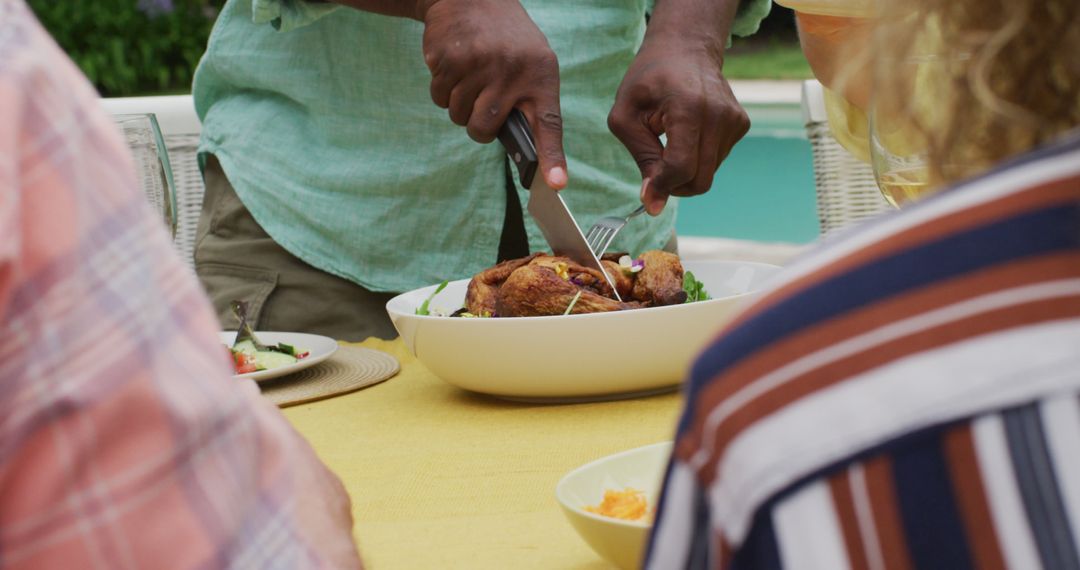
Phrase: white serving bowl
(573, 357)
(620, 542)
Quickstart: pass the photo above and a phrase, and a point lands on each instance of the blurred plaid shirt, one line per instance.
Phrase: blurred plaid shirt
(124, 441)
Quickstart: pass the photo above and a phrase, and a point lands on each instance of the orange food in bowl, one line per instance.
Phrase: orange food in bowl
(629, 504)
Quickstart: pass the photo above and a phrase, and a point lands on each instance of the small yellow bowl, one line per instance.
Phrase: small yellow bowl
(620, 542)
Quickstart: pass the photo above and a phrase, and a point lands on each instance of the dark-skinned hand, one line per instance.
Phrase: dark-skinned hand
(487, 57)
(675, 87)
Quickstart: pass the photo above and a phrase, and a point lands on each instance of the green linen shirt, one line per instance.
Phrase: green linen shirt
(321, 118)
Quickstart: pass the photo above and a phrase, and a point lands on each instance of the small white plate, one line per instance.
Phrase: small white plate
(319, 346)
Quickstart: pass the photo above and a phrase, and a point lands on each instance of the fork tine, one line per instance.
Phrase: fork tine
(599, 251)
(602, 237)
(594, 233)
(602, 233)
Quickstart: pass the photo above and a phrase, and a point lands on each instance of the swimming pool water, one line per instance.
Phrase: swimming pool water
(765, 189)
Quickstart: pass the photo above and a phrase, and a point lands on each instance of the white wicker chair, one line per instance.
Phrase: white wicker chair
(846, 191)
(180, 128)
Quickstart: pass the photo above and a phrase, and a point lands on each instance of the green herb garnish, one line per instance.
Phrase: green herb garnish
(695, 290)
(423, 310)
(573, 302)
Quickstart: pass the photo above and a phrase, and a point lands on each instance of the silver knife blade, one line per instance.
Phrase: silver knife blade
(562, 233)
(545, 204)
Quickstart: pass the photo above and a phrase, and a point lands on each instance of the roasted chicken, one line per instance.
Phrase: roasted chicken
(483, 292)
(542, 284)
(660, 281)
(624, 282)
(536, 290)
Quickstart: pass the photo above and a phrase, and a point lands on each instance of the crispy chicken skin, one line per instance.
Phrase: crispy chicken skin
(537, 289)
(660, 282)
(624, 283)
(483, 290)
(575, 273)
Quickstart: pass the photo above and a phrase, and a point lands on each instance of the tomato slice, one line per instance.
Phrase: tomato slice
(244, 363)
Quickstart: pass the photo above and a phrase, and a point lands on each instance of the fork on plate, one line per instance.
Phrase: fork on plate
(603, 231)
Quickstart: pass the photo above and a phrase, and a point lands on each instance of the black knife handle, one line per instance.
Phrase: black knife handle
(516, 136)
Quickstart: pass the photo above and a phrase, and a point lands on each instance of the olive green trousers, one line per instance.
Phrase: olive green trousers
(236, 259)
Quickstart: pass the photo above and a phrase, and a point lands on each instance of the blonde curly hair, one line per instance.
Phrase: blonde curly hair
(1010, 80)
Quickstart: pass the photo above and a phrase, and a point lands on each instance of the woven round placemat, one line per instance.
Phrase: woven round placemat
(350, 368)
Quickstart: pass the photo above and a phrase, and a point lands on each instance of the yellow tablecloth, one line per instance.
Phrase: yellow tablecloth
(442, 478)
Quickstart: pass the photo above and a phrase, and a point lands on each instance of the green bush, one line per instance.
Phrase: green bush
(131, 47)
(142, 47)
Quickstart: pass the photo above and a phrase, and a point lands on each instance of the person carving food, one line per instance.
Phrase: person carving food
(332, 181)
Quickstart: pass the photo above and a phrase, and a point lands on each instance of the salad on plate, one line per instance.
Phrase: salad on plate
(250, 355)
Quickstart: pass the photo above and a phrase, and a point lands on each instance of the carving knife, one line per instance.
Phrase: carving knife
(545, 204)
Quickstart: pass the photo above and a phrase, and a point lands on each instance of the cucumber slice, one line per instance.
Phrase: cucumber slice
(245, 346)
(265, 359)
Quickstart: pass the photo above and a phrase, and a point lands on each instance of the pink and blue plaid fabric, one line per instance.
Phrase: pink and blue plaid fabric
(124, 441)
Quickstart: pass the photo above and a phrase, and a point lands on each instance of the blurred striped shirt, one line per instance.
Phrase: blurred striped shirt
(906, 396)
(124, 440)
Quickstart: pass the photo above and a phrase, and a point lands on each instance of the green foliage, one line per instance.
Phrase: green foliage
(127, 47)
(766, 58)
(695, 290)
(423, 309)
(136, 47)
